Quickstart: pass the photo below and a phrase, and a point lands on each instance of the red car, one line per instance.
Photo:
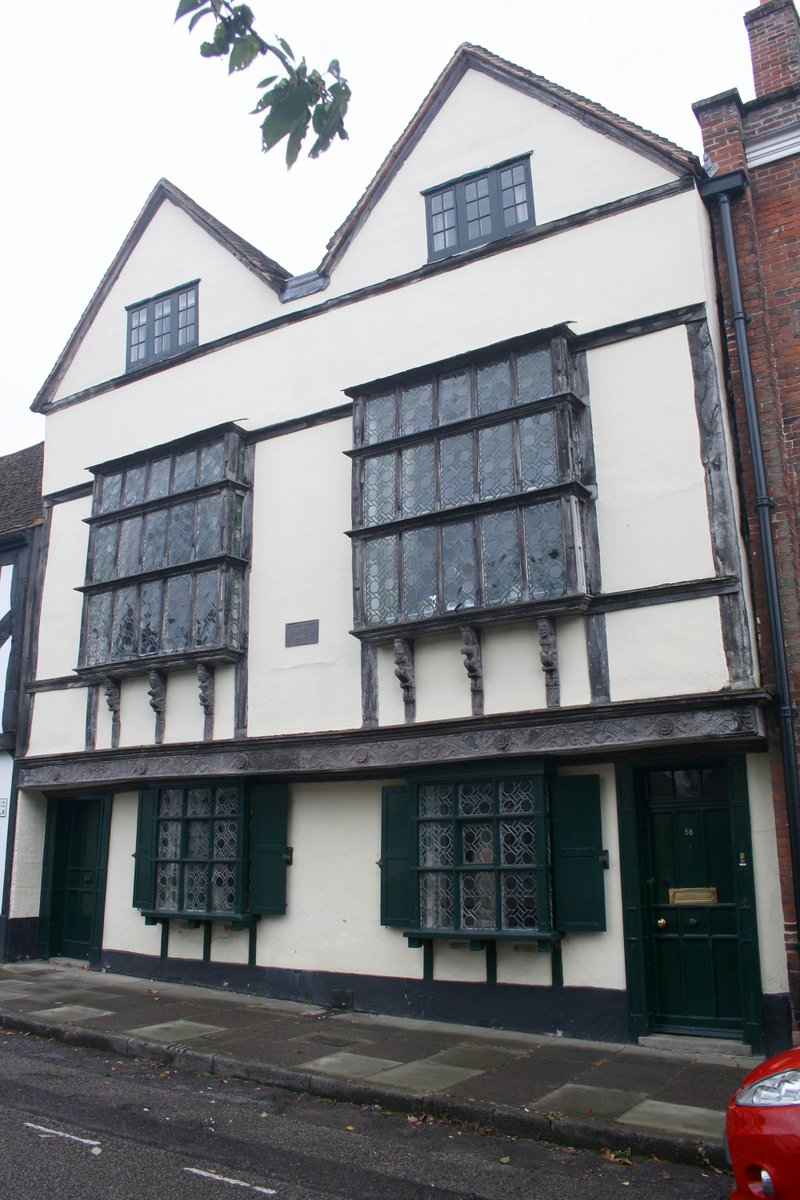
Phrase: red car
(762, 1131)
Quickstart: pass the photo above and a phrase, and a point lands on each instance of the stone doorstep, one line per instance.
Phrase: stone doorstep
(697, 1047)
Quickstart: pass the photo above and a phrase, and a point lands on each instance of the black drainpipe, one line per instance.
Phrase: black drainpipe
(721, 189)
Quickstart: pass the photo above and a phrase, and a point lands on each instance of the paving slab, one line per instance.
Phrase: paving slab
(575, 1100)
(422, 1076)
(349, 1066)
(70, 1012)
(675, 1118)
(175, 1031)
(481, 1057)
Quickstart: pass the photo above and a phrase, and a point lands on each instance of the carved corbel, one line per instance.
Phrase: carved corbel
(404, 670)
(157, 691)
(548, 656)
(205, 681)
(473, 664)
(112, 694)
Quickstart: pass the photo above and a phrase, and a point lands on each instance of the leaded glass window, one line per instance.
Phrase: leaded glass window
(165, 569)
(469, 490)
(198, 851)
(162, 326)
(479, 208)
(482, 859)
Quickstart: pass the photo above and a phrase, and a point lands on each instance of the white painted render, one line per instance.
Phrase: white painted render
(652, 514)
(137, 721)
(183, 715)
(123, 925)
(442, 684)
(666, 650)
(224, 714)
(513, 676)
(769, 907)
(26, 878)
(58, 724)
(482, 123)
(6, 770)
(60, 621)
(173, 250)
(573, 661)
(332, 920)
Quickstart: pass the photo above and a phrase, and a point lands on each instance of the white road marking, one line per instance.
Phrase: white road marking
(42, 1129)
(233, 1182)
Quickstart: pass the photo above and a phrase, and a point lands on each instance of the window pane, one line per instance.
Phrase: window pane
(134, 485)
(514, 196)
(185, 471)
(111, 490)
(155, 540)
(494, 386)
(124, 628)
(98, 629)
(380, 503)
(212, 462)
(436, 905)
(151, 598)
(205, 609)
(226, 802)
(476, 799)
(158, 483)
(534, 375)
(199, 802)
(181, 523)
(544, 547)
(456, 470)
(436, 800)
(418, 486)
(478, 908)
(478, 210)
(419, 573)
(195, 888)
(517, 795)
(380, 580)
(517, 843)
(198, 840)
(443, 219)
(416, 408)
(208, 526)
(537, 438)
(232, 580)
(455, 403)
(129, 552)
(176, 626)
(477, 842)
(459, 566)
(379, 418)
(104, 552)
(496, 462)
(501, 566)
(169, 839)
(223, 889)
(520, 906)
(436, 844)
(167, 882)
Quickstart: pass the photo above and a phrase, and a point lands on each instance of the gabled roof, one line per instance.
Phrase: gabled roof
(21, 489)
(266, 269)
(477, 58)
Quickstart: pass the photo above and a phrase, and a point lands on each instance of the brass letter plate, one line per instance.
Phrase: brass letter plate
(705, 895)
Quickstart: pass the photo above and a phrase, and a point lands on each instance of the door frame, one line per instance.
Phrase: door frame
(633, 834)
(49, 895)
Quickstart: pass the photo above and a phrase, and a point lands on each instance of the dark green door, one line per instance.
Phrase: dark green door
(76, 876)
(692, 917)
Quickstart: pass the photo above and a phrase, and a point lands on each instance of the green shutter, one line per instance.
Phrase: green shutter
(577, 846)
(144, 873)
(269, 806)
(397, 844)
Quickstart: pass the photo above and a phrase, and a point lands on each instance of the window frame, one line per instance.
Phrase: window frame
(122, 590)
(460, 188)
(143, 317)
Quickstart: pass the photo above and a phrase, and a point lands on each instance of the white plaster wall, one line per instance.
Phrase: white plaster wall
(60, 622)
(123, 925)
(522, 962)
(573, 661)
(136, 717)
(513, 679)
(58, 724)
(652, 514)
(666, 650)
(183, 714)
(228, 945)
(6, 768)
(609, 271)
(185, 942)
(26, 876)
(598, 959)
(766, 875)
(173, 250)
(482, 123)
(6, 575)
(302, 570)
(442, 684)
(455, 962)
(332, 920)
(224, 701)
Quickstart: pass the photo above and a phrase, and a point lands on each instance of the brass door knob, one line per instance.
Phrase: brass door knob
(661, 923)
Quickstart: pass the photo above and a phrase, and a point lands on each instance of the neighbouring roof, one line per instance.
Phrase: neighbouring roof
(21, 489)
(265, 268)
(477, 58)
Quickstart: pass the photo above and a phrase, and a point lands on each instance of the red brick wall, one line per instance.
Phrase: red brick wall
(774, 45)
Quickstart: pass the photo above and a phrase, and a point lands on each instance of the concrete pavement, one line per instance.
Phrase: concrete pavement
(643, 1100)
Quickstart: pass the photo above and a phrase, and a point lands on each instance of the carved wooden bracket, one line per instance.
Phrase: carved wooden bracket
(473, 664)
(404, 670)
(112, 694)
(157, 691)
(548, 655)
(205, 680)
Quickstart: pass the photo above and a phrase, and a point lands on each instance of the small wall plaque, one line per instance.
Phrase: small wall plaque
(702, 895)
(302, 633)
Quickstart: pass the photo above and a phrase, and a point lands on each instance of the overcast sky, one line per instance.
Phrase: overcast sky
(102, 98)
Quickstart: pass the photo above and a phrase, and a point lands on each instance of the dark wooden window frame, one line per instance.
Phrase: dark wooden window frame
(455, 194)
(142, 346)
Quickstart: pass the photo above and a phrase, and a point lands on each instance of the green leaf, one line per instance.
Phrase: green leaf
(333, 68)
(285, 47)
(187, 6)
(328, 120)
(198, 16)
(265, 83)
(245, 49)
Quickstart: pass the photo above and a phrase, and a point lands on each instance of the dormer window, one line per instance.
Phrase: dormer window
(162, 326)
(479, 208)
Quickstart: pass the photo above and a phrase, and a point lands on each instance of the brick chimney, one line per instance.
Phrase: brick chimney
(774, 31)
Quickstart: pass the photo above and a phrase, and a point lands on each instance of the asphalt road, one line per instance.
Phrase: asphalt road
(77, 1125)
